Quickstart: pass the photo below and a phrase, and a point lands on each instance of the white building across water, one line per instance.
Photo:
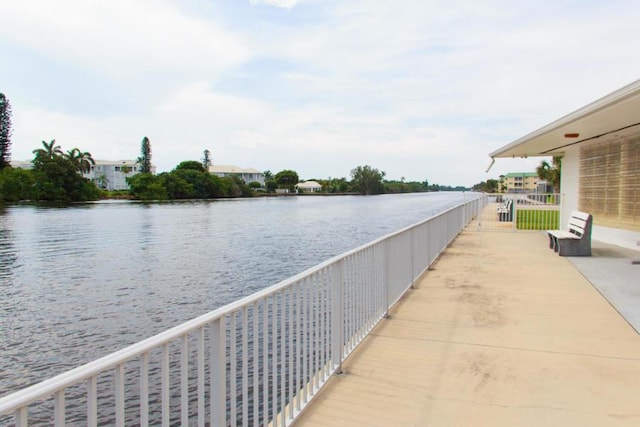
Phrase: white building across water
(112, 174)
(247, 175)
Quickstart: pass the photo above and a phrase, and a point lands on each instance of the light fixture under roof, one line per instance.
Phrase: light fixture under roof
(571, 135)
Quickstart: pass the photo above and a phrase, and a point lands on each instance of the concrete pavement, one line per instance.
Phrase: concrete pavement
(502, 332)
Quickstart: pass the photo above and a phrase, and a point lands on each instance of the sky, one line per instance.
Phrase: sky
(419, 89)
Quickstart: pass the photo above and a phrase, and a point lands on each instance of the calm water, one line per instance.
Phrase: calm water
(80, 282)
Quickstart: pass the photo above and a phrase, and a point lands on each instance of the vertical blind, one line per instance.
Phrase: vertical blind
(610, 182)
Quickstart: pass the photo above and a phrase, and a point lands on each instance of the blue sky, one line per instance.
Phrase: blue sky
(420, 89)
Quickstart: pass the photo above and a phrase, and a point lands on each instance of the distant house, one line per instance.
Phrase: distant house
(112, 174)
(247, 175)
(520, 182)
(309, 186)
(600, 149)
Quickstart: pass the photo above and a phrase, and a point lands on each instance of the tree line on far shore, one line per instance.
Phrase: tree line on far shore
(57, 176)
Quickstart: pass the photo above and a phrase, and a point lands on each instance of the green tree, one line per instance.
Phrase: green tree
(5, 132)
(177, 187)
(488, 186)
(191, 165)
(145, 156)
(287, 179)
(48, 151)
(146, 186)
(336, 185)
(56, 179)
(102, 181)
(16, 184)
(206, 159)
(203, 184)
(367, 180)
(551, 172)
(269, 182)
(81, 160)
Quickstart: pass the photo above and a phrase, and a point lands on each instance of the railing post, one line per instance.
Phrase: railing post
(92, 402)
(386, 276)
(21, 417)
(59, 408)
(514, 219)
(413, 258)
(337, 315)
(218, 374)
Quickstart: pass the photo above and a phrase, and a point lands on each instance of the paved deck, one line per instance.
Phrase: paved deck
(502, 332)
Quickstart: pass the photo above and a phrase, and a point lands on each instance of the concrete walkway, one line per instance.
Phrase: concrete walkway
(502, 332)
(615, 272)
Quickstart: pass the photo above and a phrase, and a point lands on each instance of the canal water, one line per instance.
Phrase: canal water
(80, 282)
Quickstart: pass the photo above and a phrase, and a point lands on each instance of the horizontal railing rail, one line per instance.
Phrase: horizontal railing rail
(257, 361)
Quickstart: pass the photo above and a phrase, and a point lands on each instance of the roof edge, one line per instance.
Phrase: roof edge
(600, 104)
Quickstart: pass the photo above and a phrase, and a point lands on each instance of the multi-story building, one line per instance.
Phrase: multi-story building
(519, 182)
(112, 174)
(247, 175)
(107, 174)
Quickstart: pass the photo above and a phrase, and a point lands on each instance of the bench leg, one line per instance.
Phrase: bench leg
(574, 247)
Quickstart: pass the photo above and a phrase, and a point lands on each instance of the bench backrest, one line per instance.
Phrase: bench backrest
(580, 224)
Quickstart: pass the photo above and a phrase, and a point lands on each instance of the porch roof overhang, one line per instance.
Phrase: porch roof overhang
(616, 113)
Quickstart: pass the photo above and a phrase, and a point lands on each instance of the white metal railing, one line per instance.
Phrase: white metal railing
(520, 211)
(257, 361)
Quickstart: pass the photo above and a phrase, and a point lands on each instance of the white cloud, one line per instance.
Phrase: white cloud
(125, 39)
(420, 89)
(285, 4)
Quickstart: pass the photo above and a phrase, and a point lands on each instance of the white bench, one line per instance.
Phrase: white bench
(576, 241)
(505, 211)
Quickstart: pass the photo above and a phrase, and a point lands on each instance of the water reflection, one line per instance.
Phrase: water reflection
(8, 255)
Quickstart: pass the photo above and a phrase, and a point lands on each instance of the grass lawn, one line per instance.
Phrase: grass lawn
(537, 219)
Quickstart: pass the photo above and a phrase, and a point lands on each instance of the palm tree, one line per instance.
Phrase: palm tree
(74, 157)
(102, 181)
(81, 160)
(551, 172)
(49, 151)
(86, 161)
(206, 160)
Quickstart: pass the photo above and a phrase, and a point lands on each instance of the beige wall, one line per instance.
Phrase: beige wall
(605, 228)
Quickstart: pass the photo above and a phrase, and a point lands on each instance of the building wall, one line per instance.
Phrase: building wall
(604, 228)
(112, 171)
(115, 179)
(246, 174)
(520, 182)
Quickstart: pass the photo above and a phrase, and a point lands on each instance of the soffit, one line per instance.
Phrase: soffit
(616, 113)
